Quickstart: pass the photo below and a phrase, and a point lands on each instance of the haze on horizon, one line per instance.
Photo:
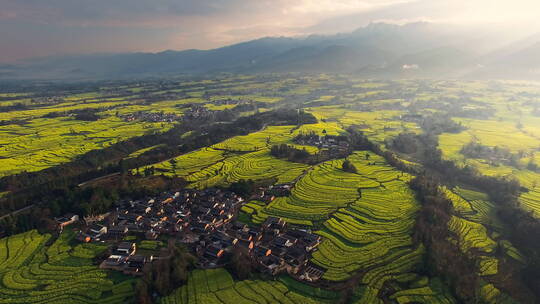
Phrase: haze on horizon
(35, 28)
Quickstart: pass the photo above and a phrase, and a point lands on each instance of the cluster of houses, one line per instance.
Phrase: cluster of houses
(151, 117)
(273, 247)
(204, 220)
(329, 146)
(231, 101)
(47, 99)
(197, 112)
(323, 142)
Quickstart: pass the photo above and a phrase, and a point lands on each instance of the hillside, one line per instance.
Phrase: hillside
(377, 50)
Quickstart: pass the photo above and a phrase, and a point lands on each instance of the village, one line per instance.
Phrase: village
(151, 117)
(204, 221)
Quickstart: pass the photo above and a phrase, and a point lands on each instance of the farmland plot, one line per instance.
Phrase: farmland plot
(217, 286)
(31, 272)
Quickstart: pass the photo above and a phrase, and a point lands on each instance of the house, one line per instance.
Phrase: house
(209, 204)
(281, 190)
(309, 240)
(66, 220)
(113, 261)
(207, 218)
(271, 265)
(200, 211)
(277, 251)
(248, 244)
(244, 235)
(260, 251)
(126, 248)
(222, 240)
(296, 258)
(255, 234)
(90, 219)
(237, 227)
(313, 272)
(151, 235)
(96, 231)
(133, 217)
(283, 242)
(135, 264)
(168, 200)
(117, 232)
(199, 227)
(274, 224)
(213, 253)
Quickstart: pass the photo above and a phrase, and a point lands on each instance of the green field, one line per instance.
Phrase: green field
(31, 272)
(217, 286)
(366, 218)
(46, 142)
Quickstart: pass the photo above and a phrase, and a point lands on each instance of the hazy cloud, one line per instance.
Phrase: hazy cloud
(47, 27)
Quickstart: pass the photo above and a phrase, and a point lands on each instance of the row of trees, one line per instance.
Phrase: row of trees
(290, 153)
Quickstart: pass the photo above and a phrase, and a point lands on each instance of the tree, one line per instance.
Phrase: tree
(173, 163)
(242, 187)
(349, 167)
(240, 263)
(182, 261)
(141, 292)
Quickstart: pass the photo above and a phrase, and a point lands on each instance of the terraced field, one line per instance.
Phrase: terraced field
(424, 291)
(46, 142)
(30, 272)
(377, 125)
(513, 126)
(217, 286)
(475, 215)
(365, 218)
(258, 140)
(242, 157)
(42, 136)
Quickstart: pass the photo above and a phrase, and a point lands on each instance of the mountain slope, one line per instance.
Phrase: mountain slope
(378, 49)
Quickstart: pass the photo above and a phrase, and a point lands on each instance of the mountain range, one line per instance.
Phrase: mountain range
(378, 50)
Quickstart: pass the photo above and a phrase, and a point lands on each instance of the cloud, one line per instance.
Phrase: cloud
(45, 27)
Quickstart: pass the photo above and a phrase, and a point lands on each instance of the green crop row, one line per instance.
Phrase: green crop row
(217, 286)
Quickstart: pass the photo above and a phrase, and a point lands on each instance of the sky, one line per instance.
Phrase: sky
(35, 28)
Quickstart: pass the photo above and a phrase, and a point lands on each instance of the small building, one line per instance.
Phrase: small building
(260, 251)
(248, 244)
(66, 220)
(213, 253)
(114, 261)
(274, 224)
(296, 258)
(222, 240)
(313, 272)
(199, 227)
(283, 242)
(151, 235)
(271, 265)
(135, 264)
(277, 251)
(96, 231)
(126, 248)
(117, 232)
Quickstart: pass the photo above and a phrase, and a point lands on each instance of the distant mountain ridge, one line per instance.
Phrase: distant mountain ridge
(377, 50)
